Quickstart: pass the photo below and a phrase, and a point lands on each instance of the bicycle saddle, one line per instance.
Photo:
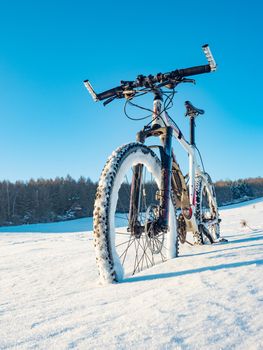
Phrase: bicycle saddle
(191, 110)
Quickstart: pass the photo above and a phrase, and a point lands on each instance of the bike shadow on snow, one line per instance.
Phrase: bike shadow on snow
(206, 268)
(220, 251)
(192, 271)
(242, 233)
(243, 240)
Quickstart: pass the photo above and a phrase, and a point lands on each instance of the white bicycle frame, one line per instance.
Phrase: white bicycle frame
(163, 119)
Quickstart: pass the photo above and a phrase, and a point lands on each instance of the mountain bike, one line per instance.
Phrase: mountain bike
(144, 204)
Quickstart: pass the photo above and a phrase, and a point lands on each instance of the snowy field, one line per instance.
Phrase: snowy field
(209, 298)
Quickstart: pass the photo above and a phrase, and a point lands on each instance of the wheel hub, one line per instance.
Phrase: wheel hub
(136, 230)
(153, 231)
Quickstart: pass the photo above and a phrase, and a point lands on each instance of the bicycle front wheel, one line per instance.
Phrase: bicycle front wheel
(120, 250)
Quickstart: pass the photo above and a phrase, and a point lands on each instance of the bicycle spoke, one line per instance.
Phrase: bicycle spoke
(138, 262)
(122, 233)
(162, 256)
(130, 242)
(136, 258)
(146, 253)
(120, 244)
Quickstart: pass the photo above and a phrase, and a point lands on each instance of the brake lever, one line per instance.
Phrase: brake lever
(109, 100)
(187, 80)
(172, 83)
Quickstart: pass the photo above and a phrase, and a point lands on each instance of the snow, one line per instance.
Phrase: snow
(211, 297)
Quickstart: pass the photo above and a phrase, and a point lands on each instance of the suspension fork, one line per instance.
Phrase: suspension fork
(166, 158)
(166, 172)
(164, 193)
(166, 175)
(135, 198)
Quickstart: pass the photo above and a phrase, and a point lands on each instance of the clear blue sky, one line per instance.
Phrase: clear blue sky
(51, 127)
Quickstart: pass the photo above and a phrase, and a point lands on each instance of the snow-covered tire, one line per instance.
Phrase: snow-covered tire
(111, 268)
(206, 209)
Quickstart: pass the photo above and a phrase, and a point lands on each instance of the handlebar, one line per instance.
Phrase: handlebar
(162, 79)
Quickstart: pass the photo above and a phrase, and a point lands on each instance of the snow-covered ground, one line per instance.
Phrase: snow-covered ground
(209, 298)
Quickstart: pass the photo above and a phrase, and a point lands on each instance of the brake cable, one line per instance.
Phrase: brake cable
(166, 106)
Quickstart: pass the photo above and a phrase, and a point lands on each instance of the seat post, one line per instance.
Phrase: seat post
(192, 131)
(192, 112)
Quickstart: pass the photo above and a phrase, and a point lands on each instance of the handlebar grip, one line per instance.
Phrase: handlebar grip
(193, 70)
(103, 95)
(91, 90)
(110, 93)
(209, 57)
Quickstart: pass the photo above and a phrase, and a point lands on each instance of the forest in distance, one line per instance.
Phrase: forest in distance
(59, 199)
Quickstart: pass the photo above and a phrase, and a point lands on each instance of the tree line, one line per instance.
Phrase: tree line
(228, 192)
(50, 200)
(45, 200)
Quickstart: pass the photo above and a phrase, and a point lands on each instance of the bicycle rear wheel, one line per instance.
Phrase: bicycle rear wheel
(120, 250)
(206, 211)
